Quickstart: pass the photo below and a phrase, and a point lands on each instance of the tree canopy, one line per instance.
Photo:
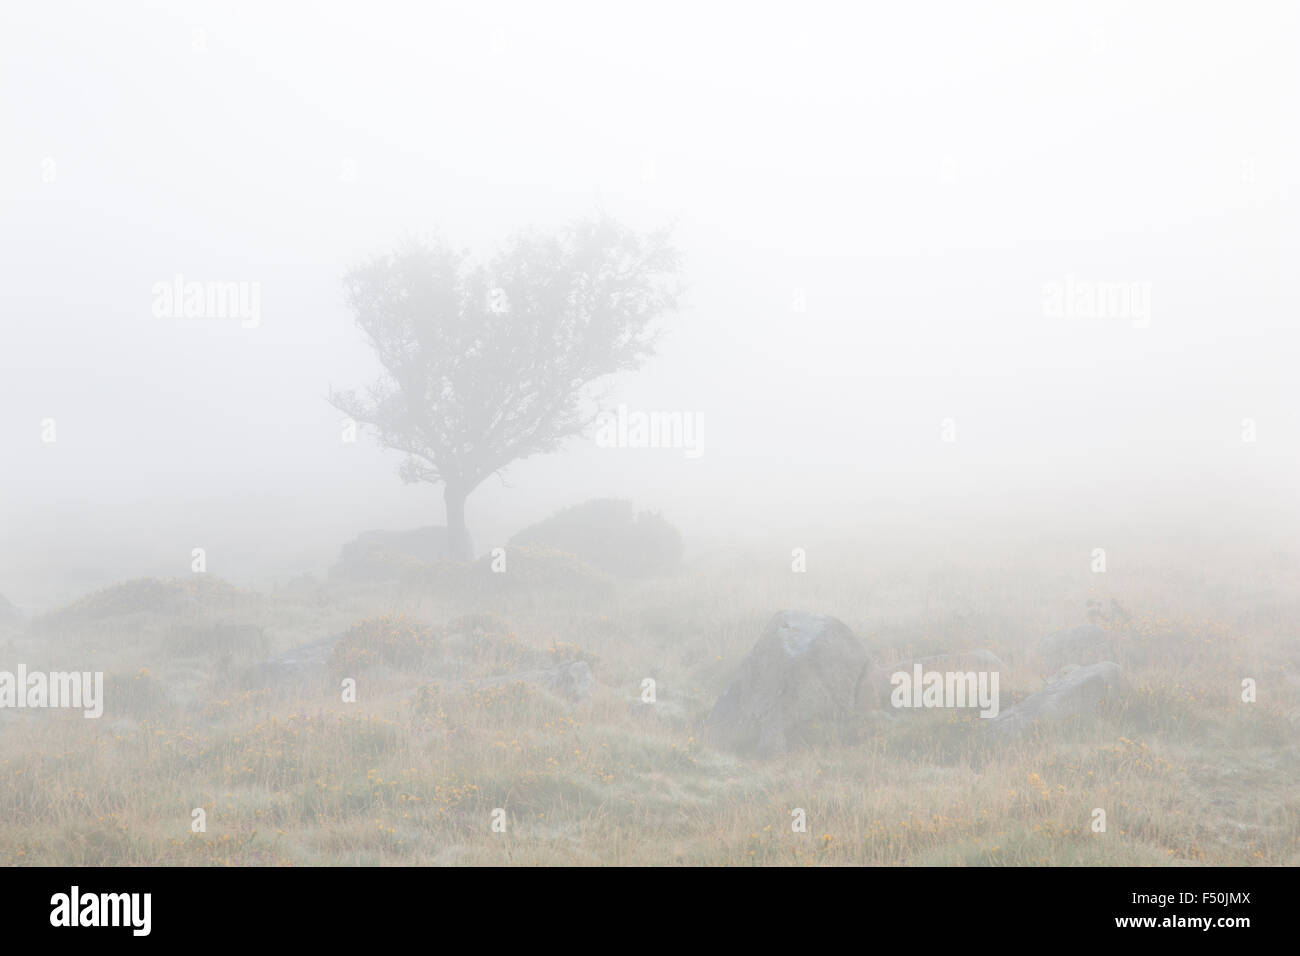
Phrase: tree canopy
(486, 363)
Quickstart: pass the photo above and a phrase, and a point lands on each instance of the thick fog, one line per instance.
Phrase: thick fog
(896, 228)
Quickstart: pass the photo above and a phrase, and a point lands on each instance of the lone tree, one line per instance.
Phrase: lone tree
(488, 363)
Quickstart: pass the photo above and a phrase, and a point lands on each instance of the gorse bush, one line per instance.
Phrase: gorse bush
(486, 644)
(393, 640)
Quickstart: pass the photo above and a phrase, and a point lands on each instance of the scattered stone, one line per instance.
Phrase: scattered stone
(1076, 690)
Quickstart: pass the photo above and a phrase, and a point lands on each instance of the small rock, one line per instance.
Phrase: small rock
(1077, 690)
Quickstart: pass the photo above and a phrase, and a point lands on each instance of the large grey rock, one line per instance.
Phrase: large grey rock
(1085, 644)
(805, 668)
(1077, 690)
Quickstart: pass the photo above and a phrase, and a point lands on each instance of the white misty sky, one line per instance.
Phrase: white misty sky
(914, 174)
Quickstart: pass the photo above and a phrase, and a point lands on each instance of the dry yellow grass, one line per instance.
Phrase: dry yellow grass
(412, 772)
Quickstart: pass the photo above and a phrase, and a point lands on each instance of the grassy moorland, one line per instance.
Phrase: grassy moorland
(288, 773)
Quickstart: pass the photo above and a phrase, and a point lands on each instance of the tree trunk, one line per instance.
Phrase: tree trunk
(458, 543)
